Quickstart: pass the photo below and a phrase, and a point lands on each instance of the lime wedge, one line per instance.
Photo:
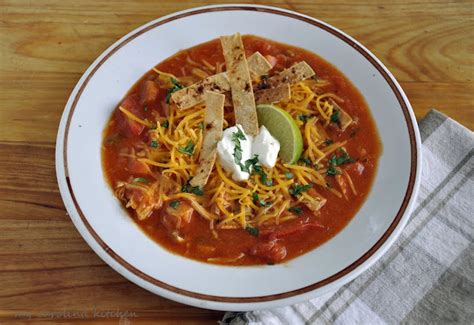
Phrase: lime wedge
(284, 128)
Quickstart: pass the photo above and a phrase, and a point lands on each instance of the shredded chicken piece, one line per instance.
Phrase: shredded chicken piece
(144, 198)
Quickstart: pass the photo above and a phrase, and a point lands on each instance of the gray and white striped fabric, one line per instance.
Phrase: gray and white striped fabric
(427, 276)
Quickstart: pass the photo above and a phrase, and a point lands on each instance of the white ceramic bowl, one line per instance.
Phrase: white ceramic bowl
(110, 232)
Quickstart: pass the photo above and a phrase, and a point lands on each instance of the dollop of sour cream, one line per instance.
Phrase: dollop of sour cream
(264, 145)
(226, 148)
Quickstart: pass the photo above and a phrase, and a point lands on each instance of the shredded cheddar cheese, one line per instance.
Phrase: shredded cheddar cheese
(257, 201)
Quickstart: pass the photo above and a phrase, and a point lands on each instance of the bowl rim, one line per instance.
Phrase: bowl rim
(123, 267)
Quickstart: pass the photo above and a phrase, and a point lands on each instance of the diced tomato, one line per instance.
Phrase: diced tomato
(166, 108)
(132, 105)
(136, 167)
(148, 92)
(287, 230)
(135, 128)
(282, 59)
(271, 59)
(129, 127)
(271, 251)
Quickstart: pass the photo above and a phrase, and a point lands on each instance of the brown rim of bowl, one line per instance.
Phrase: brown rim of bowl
(278, 296)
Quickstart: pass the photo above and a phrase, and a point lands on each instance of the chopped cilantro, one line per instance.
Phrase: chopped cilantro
(338, 161)
(306, 161)
(298, 189)
(252, 165)
(252, 231)
(176, 86)
(140, 180)
(187, 188)
(289, 175)
(239, 134)
(254, 197)
(188, 150)
(175, 204)
(201, 125)
(252, 162)
(259, 201)
(263, 176)
(341, 160)
(238, 155)
(197, 190)
(335, 117)
(303, 118)
(154, 144)
(332, 171)
(236, 137)
(166, 124)
(328, 142)
(295, 210)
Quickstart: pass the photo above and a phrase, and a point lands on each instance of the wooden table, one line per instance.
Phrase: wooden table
(47, 271)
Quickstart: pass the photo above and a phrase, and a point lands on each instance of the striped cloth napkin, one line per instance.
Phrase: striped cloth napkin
(427, 276)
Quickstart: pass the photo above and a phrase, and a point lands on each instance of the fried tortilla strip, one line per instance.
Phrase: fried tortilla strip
(344, 118)
(258, 65)
(240, 83)
(273, 95)
(213, 124)
(228, 99)
(194, 94)
(296, 73)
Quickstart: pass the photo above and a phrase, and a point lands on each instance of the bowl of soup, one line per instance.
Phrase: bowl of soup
(238, 157)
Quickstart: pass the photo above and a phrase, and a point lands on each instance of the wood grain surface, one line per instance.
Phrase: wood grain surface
(47, 271)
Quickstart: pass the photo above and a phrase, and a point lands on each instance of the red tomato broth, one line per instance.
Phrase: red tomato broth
(335, 214)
